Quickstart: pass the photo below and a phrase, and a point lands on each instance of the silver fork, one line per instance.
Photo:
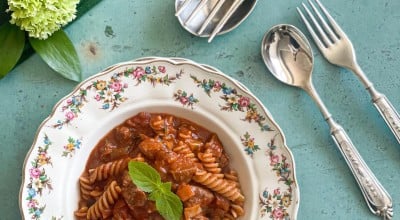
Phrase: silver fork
(338, 49)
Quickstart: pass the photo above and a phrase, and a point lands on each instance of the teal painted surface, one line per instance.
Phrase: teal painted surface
(116, 31)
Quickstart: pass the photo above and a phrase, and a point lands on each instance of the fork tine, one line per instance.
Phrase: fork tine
(322, 33)
(339, 32)
(317, 41)
(326, 27)
(183, 6)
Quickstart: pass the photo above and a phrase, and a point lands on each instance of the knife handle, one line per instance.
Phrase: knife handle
(389, 113)
(377, 198)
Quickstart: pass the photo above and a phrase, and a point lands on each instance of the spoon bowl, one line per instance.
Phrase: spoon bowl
(288, 55)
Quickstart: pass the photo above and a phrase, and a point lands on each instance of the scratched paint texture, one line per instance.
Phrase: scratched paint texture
(121, 30)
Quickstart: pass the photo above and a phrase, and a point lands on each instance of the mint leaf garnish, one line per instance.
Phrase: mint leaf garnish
(144, 176)
(169, 205)
(165, 187)
(147, 179)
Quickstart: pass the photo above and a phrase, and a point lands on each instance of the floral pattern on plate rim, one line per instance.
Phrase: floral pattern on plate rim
(276, 203)
(273, 203)
(110, 92)
(233, 101)
(71, 147)
(38, 179)
(249, 144)
(185, 99)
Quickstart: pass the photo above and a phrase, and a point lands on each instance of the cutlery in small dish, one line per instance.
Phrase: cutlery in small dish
(209, 18)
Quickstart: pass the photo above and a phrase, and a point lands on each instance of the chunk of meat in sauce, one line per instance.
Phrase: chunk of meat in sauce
(140, 124)
(139, 205)
(133, 196)
(121, 211)
(140, 120)
(221, 202)
(123, 135)
(183, 169)
(201, 196)
(162, 163)
(166, 155)
(150, 146)
(185, 192)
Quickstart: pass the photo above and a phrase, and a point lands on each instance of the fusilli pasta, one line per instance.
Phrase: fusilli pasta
(184, 149)
(221, 186)
(103, 205)
(106, 170)
(85, 187)
(210, 164)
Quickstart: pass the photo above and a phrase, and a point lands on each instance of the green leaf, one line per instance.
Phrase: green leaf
(155, 195)
(11, 47)
(147, 179)
(59, 53)
(144, 176)
(169, 205)
(166, 187)
(163, 188)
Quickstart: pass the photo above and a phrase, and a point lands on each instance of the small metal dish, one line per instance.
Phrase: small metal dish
(195, 13)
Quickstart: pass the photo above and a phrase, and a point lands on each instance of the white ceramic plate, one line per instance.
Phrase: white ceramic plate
(200, 93)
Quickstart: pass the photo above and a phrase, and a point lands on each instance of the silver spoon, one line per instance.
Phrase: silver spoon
(288, 56)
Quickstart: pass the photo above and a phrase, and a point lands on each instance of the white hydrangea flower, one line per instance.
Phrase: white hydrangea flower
(41, 18)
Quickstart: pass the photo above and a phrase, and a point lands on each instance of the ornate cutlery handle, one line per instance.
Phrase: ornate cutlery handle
(389, 113)
(385, 108)
(378, 200)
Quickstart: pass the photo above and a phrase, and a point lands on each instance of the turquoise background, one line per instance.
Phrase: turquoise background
(149, 28)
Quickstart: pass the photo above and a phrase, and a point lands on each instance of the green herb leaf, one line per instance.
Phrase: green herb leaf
(169, 205)
(163, 188)
(166, 187)
(59, 53)
(11, 47)
(155, 195)
(147, 179)
(144, 176)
